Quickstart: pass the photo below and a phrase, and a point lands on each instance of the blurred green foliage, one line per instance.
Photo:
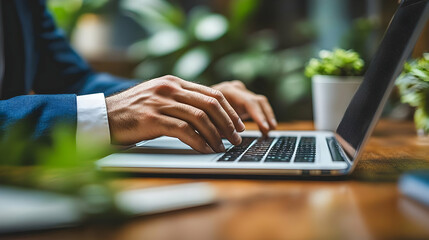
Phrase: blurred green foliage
(338, 62)
(204, 46)
(207, 47)
(362, 37)
(50, 163)
(67, 13)
(413, 86)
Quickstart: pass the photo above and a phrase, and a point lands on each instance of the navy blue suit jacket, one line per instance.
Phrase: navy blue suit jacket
(39, 58)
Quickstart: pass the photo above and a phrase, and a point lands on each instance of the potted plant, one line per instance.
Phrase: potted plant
(413, 86)
(336, 75)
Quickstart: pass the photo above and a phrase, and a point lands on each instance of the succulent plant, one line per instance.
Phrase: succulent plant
(338, 62)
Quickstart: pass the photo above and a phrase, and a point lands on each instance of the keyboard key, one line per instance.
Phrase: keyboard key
(236, 151)
(257, 151)
(306, 151)
(282, 150)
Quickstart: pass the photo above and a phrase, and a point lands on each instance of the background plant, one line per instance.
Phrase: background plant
(413, 86)
(213, 41)
(338, 62)
(67, 13)
(208, 47)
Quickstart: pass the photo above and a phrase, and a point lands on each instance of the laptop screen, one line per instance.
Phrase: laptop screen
(368, 102)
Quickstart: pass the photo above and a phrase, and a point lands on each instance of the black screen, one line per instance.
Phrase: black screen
(396, 46)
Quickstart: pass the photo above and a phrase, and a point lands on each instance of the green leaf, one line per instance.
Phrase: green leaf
(412, 89)
(165, 42)
(413, 85)
(154, 15)
(159, 44)
(194, 17)
(211, 27)
(419, 73)
(192, 63)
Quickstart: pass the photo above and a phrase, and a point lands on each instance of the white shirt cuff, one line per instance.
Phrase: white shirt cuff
(92, 121)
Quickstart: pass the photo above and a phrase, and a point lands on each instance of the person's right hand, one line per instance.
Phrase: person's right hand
(169, 106)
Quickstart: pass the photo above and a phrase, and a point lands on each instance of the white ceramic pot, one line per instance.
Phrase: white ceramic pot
(331, 96)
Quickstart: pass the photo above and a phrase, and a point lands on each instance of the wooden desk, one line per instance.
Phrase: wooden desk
(363, 206)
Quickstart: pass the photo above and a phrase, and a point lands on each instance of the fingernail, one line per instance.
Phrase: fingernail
(265, 125)
(236, 138)
(274, 122)
(221, 148)
(241, 125)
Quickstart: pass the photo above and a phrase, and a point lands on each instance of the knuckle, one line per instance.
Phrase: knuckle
(212, 102)
(254, 100)
(200, 115)
(262, 98)
(165, 86)
(217, 94)
(183, 126)
(238, 83)
(171, 78)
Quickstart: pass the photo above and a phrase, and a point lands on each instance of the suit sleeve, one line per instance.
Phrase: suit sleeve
(38, 113)
(61, 75)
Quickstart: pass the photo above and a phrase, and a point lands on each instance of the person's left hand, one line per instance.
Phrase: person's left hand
(248, 104)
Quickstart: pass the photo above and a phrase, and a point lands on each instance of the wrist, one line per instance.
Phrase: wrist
(113, 115)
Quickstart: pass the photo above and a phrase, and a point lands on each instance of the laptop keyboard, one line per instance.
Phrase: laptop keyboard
(257, 151)
(306, 151)
(282, 150)
(236, 151)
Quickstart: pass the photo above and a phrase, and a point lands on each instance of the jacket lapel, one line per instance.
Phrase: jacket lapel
(26, 21)
(14, 77)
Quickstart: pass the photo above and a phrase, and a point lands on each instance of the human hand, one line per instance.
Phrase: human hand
(248, 104)
(169, 106)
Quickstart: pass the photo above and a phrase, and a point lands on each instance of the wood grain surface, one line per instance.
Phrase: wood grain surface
(365, 205)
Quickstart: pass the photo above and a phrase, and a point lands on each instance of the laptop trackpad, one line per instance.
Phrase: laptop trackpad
(159, 152)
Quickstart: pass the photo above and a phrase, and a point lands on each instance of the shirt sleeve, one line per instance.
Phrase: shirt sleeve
(92, 121)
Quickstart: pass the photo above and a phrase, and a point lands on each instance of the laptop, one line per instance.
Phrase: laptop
(315, 153)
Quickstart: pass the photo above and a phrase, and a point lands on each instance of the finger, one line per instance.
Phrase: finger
(238, 124)
(268, 111)
(199, 121)
(244, 116)
(177, 128)
(256, 113)
(214, 110)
